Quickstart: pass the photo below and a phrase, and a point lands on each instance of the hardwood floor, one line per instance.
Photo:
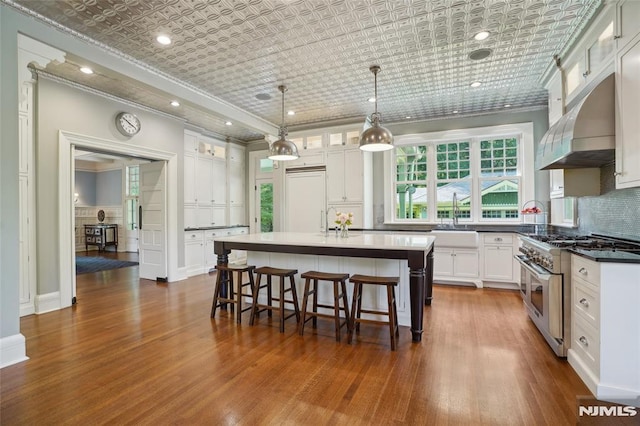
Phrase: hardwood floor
(138, 352)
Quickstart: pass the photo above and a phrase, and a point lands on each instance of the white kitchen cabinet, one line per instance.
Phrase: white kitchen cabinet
(452, 264)
(193, 252)
(237, 187)
(205, 182)
(605, 327)
(498, 261)
(628, 22)
(627, 110)
(307, 159)
(574, 182)
(555, 98)
(200, 257)
(345, 168)
(218, 182)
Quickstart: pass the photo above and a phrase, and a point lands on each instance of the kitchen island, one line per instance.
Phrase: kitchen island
(409, 256)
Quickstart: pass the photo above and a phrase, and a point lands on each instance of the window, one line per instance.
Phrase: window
(131, 197)
(479, 177)
(411, 188)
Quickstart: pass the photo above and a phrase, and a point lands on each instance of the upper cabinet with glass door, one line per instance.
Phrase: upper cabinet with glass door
(593, 55)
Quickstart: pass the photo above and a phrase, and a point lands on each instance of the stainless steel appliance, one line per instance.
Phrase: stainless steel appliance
(545, 282)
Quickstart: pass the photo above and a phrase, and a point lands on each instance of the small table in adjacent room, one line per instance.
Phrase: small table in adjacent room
(101, 235)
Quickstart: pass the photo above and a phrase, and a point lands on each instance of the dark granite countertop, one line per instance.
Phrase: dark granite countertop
(208, 228)
(611, 256)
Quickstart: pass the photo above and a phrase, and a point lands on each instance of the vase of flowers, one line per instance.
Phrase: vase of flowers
(343, 220)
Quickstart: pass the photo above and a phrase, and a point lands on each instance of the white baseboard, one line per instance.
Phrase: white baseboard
(583, 371)
(13, 350)
(27, 309)
(48, 302)
(181, 274)
(465, 282)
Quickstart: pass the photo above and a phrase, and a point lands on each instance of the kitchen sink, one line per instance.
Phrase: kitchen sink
(455, 238)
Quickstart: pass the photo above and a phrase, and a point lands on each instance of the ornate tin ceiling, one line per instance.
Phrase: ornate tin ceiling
(322, 50)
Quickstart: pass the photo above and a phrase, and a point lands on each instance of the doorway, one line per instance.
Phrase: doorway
(106, 193)
(158, 183)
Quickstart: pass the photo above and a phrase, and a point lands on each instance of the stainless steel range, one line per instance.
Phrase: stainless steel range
(545, 281)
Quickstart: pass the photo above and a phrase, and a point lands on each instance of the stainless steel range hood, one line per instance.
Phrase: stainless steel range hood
(584, 136)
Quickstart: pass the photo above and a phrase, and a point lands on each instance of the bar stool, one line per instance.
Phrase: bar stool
(233, 297)
(282, 273)
(312, 277)
(356, 306)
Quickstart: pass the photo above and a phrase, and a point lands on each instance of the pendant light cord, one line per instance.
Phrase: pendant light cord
(283, 131)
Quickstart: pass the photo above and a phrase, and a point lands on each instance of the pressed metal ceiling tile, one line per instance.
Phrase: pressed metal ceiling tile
(322, 50)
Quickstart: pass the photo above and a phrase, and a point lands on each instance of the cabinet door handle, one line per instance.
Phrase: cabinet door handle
(498, 239)
(583, 271)
(584, 340)
(584, 302)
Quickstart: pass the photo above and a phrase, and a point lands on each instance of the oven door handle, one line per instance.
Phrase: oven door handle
(541, 276)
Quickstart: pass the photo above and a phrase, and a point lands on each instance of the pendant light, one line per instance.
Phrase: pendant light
(376, 137)
(282, 149)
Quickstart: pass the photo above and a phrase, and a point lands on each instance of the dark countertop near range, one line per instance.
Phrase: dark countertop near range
(208, 228)
(610, 256)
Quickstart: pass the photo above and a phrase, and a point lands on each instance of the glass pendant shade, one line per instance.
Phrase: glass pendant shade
(376, 137)
(283, 149)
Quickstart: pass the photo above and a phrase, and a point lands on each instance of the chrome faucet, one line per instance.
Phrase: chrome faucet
(326, 219)
(456, 209)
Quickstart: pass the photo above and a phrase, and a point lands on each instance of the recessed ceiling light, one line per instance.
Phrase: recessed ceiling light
(163, 39)
(455, 111)
(175, 103)
(371, 99)
(86, 70)
(476, 84)
(291, 113)
(507, 106)
(228, 123)
(482, 35)
(263, 96)
(408, 117)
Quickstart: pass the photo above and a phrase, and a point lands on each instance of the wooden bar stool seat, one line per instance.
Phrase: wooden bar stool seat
(234, 288)
(356, 306)
(339, 293)
(270, 272)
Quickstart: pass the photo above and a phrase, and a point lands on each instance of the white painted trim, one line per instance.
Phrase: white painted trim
(12, 350)
(181, 274)
(67, 142)
(47, 302)
(585, 373)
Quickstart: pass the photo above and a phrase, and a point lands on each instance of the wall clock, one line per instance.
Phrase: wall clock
(127, 123)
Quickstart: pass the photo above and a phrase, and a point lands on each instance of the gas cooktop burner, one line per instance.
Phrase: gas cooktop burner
(587, 242)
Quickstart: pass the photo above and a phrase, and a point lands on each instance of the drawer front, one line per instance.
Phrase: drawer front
(97, 231)
(212, 234)
(193, 236)
(585, 269)
(498, 239)
(90, 239)
(88, 231)
(585, 341)
(586, 302)
(98, 240)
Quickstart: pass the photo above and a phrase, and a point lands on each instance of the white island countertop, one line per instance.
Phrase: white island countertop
(361, 240)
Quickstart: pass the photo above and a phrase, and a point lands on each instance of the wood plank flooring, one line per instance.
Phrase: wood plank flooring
(138, 352)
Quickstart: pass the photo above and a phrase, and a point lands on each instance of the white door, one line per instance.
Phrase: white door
(152, 236)
(305, 201)
(264, 206)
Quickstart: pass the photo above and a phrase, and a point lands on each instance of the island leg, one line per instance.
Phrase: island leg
(428, 291)
(417, 293)
(223, 259)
